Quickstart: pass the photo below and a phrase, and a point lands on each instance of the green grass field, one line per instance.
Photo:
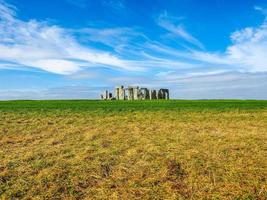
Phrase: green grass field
(177, 149)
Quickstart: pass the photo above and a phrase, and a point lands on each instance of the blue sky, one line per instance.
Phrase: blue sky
(67, 49)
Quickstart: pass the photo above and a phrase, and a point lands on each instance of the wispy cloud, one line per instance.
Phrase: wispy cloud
(48, 47)
(7, 11)
(174, 26)
(117, 38)
(261, 9)
(55, 49)
(116, 5)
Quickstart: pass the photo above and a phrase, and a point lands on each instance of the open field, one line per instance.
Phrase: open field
(133, 150)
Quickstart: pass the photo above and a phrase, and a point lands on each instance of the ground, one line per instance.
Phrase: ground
(133, 150)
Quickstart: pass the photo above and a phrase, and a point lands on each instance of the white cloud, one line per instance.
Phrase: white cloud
(48, 47)
(7, 11)
(170, 23)
(116, 5)
(249, 48)
(54, 49)
(261, 9)
(223, 86)
(248, 51)
(112, 37)
(243, 35)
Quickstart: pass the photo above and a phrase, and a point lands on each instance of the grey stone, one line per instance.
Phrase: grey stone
(135, 93)
(120, 93)
(163, 94)
(144, 93)
(153, 94)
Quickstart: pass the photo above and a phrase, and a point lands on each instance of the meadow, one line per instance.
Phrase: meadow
(176, 149)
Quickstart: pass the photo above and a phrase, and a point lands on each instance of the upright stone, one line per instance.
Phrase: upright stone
(130, 93)
(160, 94)
(117, 92)
(163, 94)
(105, 95)
(136, 93)
(144, 93)
(120, 93)
(153, 94)
(167, 94)
(110, 96)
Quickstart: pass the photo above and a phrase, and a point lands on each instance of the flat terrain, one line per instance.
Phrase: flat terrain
(133, 150)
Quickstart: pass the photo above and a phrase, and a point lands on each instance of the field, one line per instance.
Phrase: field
(133, 150)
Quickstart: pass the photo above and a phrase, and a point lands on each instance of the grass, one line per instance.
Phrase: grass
(133, 150)
(107, 106)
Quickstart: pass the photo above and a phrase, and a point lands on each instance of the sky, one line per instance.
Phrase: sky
(75, 49)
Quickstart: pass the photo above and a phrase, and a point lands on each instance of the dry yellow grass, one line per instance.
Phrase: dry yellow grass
(160, 154)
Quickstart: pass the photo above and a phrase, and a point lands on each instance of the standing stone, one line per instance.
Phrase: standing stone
(130, 93)
(136, 93)
(160, 94)
(109, 96)
(117, 92)
(167, 97)
(144, 93)
(120, 93)
(163, 94)
(105, 95)
(153, 94)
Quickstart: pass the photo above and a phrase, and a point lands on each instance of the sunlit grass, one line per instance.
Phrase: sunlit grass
(134, 150)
